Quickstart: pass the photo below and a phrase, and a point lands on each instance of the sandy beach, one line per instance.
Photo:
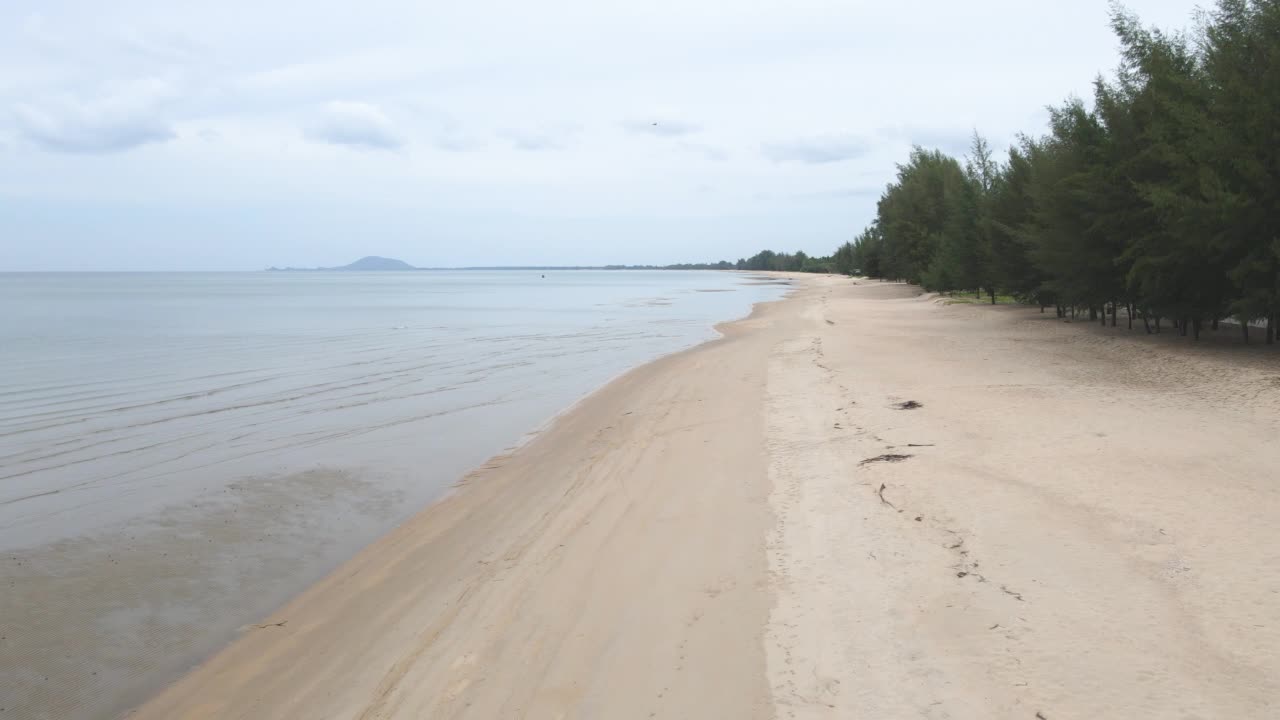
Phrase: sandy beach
(860, 503)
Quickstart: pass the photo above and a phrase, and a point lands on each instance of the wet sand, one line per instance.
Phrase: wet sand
(1073, 522)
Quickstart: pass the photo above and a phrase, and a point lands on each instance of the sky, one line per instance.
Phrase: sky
(237, 135)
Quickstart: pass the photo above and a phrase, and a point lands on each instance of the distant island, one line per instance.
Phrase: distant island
(369, 263)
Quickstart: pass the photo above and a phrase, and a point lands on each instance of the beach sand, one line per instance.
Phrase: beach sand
(1080, 523)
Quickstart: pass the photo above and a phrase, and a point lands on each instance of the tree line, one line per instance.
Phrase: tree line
(1160, 200)
(798, 261)
(787, 262)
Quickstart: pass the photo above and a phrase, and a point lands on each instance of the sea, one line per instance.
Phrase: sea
(180, 453)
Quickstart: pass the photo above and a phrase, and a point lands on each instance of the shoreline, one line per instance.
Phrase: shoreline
(103, 619)
(855, 502)
(460, 492)
(718, 328)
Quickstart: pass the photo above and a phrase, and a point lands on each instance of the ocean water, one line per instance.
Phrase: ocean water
(180, 453)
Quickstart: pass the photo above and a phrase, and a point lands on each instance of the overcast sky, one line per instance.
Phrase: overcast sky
(240, 134)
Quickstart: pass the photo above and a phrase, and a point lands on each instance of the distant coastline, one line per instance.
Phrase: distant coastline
(764, 260)
(374, 263)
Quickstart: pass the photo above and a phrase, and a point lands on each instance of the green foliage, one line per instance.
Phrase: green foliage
(844, 259)
(794, 262)
(915, 212)
(1009, 213)
(862, 256)
(1241, 60)
(798, 261)
(962, 256)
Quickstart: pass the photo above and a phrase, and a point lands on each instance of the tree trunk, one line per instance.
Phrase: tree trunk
(1146, 322)
(1271, 328)
(1115, 310)
(1244, 329)
(992, 293)
(1195, 328)
(1130, 313)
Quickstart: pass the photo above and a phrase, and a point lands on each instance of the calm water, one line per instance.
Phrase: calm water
(180, 453)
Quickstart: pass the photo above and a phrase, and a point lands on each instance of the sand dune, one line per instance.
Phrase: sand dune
(1070, 523)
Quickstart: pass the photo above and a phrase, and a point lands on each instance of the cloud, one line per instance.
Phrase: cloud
(662, 128)
(170, 48)
(438, 127)
(753, 109)
(538, 139)
(840, 193)
(126, 119)
(953, 141)
(357, 125)
(36, 29)
(817, 150)
(457, 141)
(709, 152)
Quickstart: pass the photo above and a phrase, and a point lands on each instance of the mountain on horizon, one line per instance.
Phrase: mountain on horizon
(368, 263)
(373, 262)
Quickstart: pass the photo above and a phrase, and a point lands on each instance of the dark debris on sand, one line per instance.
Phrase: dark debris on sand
(884, 458)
